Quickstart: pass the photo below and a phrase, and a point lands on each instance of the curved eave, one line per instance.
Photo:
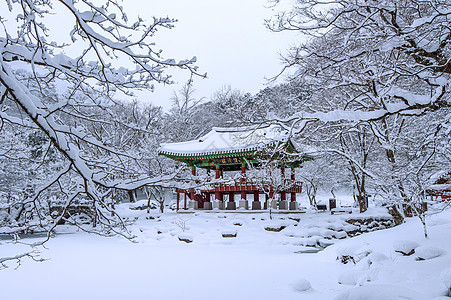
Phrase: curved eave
(207, 155)
(225, 152)
(192, 158)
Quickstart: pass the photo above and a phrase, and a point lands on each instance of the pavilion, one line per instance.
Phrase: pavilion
(237, 149)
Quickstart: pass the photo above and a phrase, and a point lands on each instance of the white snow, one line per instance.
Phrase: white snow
(445, 277)
(356, 251)
(428, 252)
(256, 264)
(405, 247)
(185, 237)
(302, 285)
(380, 292)
(220, 140)
(352, 277)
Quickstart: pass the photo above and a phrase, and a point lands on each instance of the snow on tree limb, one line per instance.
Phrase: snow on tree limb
(58, 111)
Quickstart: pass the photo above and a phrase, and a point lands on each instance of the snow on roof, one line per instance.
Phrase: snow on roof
(229, 140)
(440, 181)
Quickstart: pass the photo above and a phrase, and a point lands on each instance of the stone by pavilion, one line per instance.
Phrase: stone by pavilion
(235, 149)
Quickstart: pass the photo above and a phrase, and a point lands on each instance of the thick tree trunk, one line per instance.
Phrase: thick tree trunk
(131, 196)
(161, 206)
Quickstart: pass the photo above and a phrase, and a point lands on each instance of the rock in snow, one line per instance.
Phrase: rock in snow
(406, 248)
(187, 238)
(229, 233)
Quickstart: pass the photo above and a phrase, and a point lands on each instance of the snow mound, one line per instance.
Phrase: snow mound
(437, 221)
(353, 253)
(326, 242)
(302, 285)
(380, 292)
(405, 247)
(428, 252)
(376, 257)
(445, 277)
(340, 235)
(352, 277)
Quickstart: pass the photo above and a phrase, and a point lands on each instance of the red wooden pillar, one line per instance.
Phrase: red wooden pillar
(243, 172)
(283, 194)
(178, 200)
(256, 196)
(231, 196)
(191, 191)
(231, 205)
(243, 182)
(184, 204)
(218, 174)
(293, 178)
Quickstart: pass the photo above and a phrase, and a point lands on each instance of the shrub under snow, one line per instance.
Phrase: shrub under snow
(353, 253)
(427, 252)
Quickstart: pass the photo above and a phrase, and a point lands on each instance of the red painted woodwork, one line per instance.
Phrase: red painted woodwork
(231, 196)
(283, 195)
(239, 187)
(243, 173)
(243, 194)
(217, 193)
(200, 199)
(256, 196)
(445, 195)
(218, 173)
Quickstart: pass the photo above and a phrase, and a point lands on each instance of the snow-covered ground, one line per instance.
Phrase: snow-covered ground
(256, 264)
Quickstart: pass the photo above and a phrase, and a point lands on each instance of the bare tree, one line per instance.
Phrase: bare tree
(156, 193)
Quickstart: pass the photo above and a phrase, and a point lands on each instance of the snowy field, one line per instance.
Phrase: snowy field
(256, 264)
